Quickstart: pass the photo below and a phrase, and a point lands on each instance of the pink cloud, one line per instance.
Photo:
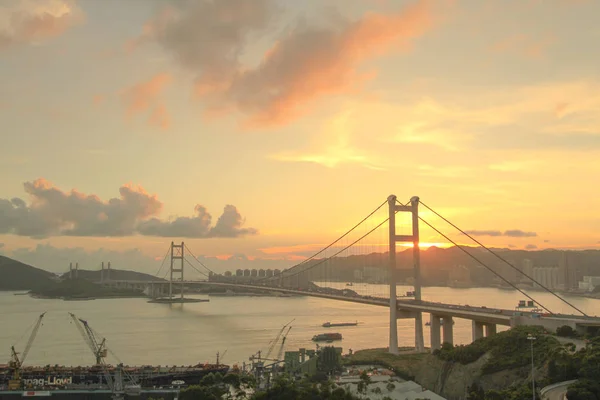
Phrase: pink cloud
(523, 45)
(146, 97)
(302, 66)
(26, 22)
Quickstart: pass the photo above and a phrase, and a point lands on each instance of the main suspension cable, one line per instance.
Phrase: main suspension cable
(345, 248)
(502, 259)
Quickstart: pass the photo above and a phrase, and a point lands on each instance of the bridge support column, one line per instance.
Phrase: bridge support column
(413, 208)
(477, 330)
(435, 332)
(490, 329)
(449, 330)
(393, 346)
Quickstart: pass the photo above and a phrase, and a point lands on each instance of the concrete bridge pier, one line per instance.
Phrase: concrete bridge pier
(449, 330)
(490, 329)
(435, 332)
(477, 330)
(437, 328)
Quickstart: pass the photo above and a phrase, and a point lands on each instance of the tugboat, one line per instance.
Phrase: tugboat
(327, 337)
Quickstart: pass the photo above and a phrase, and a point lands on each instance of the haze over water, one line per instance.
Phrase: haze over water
(142, 333)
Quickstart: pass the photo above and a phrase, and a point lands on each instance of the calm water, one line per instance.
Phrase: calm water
(142, 333)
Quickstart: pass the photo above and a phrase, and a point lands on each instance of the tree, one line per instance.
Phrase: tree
(233, 380)
(365, 380)
(197, 392)
(475, 392)
(565, 331)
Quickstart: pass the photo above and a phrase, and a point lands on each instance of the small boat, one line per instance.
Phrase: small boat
(329, 324)
(349, 284)
(327, 337)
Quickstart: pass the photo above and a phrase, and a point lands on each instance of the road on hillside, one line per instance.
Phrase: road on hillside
(557, 393)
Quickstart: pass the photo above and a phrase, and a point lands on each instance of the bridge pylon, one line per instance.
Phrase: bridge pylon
(177, 254)
(413, 208)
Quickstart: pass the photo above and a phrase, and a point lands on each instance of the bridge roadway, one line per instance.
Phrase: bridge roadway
(481, 314)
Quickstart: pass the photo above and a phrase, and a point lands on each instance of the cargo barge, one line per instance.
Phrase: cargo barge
(75, 377)
(327, 337)
(332, 324)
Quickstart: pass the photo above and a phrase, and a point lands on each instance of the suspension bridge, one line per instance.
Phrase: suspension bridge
(371, 245)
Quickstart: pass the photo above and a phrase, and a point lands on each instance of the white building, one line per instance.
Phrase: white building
(589, 283)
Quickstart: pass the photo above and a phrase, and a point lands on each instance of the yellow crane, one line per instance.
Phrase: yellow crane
(16, 362)
(115, 381)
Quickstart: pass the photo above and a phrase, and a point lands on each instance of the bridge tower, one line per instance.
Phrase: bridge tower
(177, 253)
(413, 208)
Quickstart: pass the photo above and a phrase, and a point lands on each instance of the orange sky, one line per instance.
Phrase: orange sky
(266, 128)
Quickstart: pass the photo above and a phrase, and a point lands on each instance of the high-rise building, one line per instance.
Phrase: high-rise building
(508, 272)
(527, 268)
(546, 276)
(569, 274)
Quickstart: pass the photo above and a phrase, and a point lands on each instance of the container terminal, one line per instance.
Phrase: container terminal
(99, 381)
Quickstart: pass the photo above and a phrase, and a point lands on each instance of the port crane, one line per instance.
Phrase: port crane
(258, 361)
(100, 351)
(16, 362)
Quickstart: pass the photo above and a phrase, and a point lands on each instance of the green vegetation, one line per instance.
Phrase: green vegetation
(564, 363)
(566, 331)
(520, 392)
(234, 386)
(400, 365)
(506, 349)
(81, 289)
(287, 389)
(18, 276)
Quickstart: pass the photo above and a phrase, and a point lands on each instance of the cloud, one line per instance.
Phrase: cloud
(228, 225)
(53, 212)
(304, 64)
(531, 247)
(519, 233)
(523, 45)
(558, 115)
(334, 147)
(145, 97)
(33, 21)
(510, 233)
(99, 99)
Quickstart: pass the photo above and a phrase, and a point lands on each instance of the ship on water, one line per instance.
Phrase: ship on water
(121, 379)
(334, 324)
(327, 337)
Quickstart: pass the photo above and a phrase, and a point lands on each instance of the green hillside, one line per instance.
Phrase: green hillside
(14, 275)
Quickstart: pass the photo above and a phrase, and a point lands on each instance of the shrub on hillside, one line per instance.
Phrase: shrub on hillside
(566, 331)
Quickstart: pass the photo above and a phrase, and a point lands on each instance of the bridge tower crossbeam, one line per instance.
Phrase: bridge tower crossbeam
(413, 208)
(177, 254)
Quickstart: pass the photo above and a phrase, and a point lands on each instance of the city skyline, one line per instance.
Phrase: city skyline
(265, 129)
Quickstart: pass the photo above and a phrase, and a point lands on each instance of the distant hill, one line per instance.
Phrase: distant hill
(14, 275)
(82, 289)
(115, 274)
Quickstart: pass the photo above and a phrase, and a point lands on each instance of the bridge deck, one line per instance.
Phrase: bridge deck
(481, 314)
